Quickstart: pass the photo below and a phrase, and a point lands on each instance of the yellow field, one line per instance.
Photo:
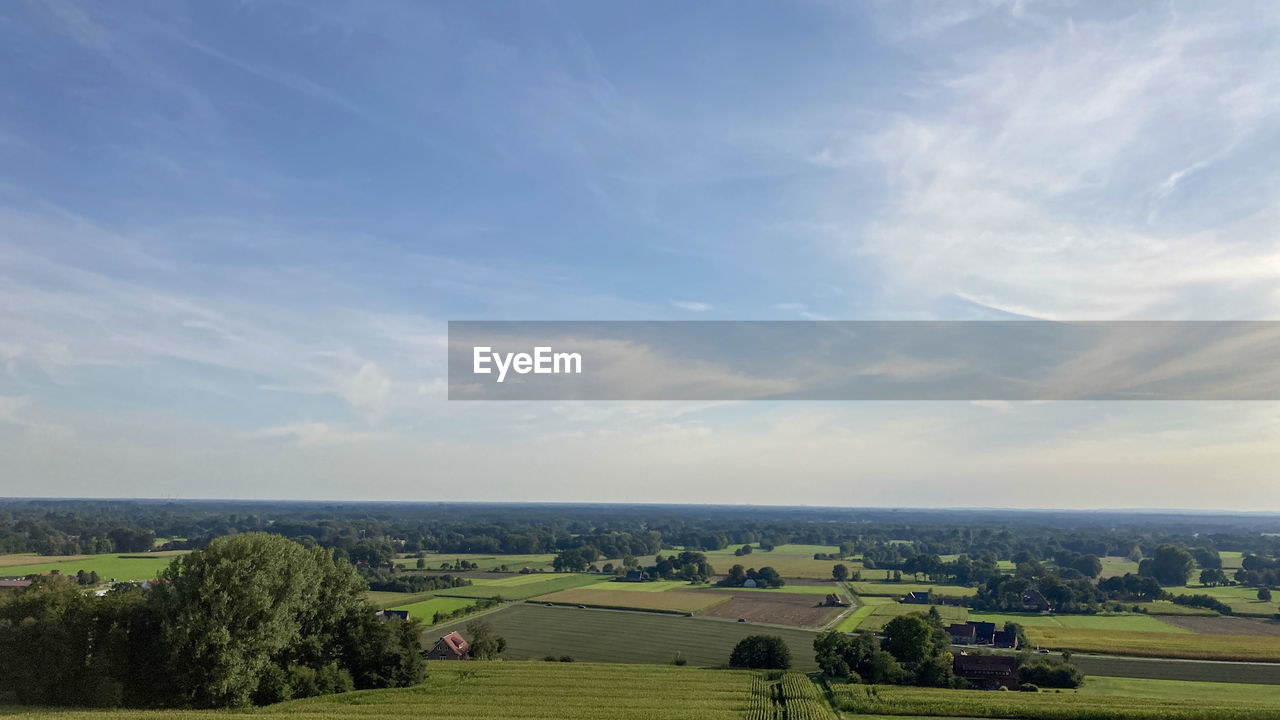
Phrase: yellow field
(650, 587)
(791, 561)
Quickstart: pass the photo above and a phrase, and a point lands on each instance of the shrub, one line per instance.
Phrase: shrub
(1029, 687)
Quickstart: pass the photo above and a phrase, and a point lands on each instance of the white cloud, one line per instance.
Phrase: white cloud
(691, 306)
(1052, 175)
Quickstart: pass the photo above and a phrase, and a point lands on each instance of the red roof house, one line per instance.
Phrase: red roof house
(450, 647)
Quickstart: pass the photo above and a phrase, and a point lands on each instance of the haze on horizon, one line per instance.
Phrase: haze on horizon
(231, 236)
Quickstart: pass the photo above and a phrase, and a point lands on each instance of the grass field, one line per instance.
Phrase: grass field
(1107, 623)
(520, 587)
(1158, 644)
(898, 589)
(675, 601)
(791, 561)
(1243, 600)
(534, 631)
(1113, 566)
(486, 561)
(789, 589)
(425, 610)
(882, 614)
(1231, 559)
(143, 566)
(384, 600)
(1099, 699)
(1168, 607)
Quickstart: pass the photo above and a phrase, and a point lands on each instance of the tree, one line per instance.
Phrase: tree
(1171, 565)
(759, 652)
(1264, 594)
(737, 575)
(485, 643)
(840, 573)
(422, 563)
(909, 638)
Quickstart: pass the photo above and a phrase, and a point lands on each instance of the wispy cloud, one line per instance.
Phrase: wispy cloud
(691, 306)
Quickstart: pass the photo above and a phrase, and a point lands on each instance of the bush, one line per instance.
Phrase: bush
(1029, 687)
(759, 652)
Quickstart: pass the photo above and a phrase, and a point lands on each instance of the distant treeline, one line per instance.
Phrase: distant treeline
(375, 532)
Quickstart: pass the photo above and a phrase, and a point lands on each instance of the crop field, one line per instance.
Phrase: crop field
(898, 589)
(796, 609)
(425, 610)
(855, 618)
(646, 587)
(788, 589)
(675, 601)
(1109, 699)
(1168, 607)
(1231, 560)
(792, 697)
(1183, 670)
(1227, 625)
(384, 600)
(144, 566)
(520, 587)
(534, 631)
(1243, 600)
(1182, 644)
(882, 614)
(1106, 623)
(525, 690)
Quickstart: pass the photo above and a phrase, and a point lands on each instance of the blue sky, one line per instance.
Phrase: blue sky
(231, 236)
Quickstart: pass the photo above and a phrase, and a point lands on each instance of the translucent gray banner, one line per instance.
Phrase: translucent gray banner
(1015, 360)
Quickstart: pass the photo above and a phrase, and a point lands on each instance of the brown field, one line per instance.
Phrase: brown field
(1248, 648)
(1225, 625)
(673, 601)
(778, 608)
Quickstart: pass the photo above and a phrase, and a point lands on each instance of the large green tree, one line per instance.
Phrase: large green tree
(761, 652)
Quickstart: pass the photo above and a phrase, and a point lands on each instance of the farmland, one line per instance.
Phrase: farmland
(1243, 600)
(899, 589)
(534, 631)
(526, 690)
(1107, 623)
(791, 561)
(796, 609)
(425, 610)
(142, 566)
(1098, 699)
(675, 601)
(520, 587)
(1181, 644)
(882, 614)
(486, 561)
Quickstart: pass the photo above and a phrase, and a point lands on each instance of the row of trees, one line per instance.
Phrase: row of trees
(251, 619)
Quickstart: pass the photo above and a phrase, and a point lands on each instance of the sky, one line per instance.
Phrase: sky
(232, 234)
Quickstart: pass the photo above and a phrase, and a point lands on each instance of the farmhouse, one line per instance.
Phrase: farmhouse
(25, 582)
(634, 576)
(988, 672)
(385, 615)
(1005, 639)
(972, 633)
(450, 647)
(917, 598)
(962, 633)
(749, 583)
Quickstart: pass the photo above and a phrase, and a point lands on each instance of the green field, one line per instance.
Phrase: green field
(1099, 699)
(1113, 566)
(384, 600)
(791, 561)
(1243, 600)
(1251, 648)
(143, 566)
(898, 589)
(486, 561)
(1107, 623)
(534, 631)
(882, 614)
(425, 610)
(521, 587)
(525, 690)
(789, 589)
